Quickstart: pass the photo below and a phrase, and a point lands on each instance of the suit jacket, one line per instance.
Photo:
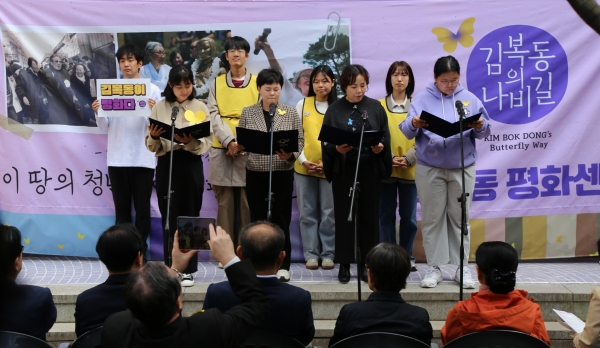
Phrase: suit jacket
(286, 118)
(26, 309)
(290, 311)
(210, 328)
(89, 314)
(384, 311)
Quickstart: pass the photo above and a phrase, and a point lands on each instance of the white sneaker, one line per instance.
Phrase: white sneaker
(327, 264)
(187, 280)
(312, 264)
(283, 275)
(468, 282)
(432, 277)
(220, 265)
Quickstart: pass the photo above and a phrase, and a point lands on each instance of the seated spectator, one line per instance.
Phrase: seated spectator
(120, 249)
(154, 300)
(497, 305)
(290, 311)
(25, 309)
(589, 337)
(388, 266)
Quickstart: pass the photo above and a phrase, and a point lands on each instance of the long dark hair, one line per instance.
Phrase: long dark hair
(498, 262)
(402, 65)
(176, 75)
(325, 70)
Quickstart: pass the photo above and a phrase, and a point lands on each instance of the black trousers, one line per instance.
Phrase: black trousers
(132, 183)
(257, 188)
(186, 200)
(368, 213)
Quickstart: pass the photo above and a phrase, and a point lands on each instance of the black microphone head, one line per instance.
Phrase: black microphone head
(459, 104)
(365, 115)
(175, 109)
(272, 108)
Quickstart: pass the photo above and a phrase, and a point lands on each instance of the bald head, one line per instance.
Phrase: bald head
(262, 243)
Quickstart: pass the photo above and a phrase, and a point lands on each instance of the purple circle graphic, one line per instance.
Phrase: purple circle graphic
(142, 103)
(519, 72)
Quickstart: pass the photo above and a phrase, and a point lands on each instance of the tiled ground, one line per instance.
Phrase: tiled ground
(42, 270)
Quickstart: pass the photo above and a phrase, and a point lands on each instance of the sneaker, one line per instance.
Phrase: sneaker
(413, 266)
(327, 264)
(312, 264)
(283, 275)
(468, 282)
(220, 265)
(432, 277)
(187, 280)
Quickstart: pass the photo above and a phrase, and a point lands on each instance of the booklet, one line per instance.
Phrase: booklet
(570, 321)
(256, 141)
(198, 131)
(444, 128)
(339, 136)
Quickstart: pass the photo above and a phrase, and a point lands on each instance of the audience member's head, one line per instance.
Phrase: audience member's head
(388, 266)
(11, 252)
(120, 248)
(153, 295)
(497, 266)
(262, 243)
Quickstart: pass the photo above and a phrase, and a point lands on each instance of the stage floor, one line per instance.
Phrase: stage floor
(46, 270)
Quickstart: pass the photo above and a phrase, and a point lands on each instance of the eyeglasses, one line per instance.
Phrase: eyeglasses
(160, 53)
(449, 82)
(236, 50)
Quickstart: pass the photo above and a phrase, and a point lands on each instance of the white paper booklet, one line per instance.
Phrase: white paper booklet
(570, 321)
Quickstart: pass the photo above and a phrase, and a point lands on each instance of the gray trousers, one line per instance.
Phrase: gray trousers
(438, 190)
(317, 218)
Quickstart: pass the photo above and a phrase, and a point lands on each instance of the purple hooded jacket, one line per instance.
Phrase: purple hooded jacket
(433, 150)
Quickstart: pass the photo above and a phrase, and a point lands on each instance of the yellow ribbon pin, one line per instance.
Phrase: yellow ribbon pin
(281, 112)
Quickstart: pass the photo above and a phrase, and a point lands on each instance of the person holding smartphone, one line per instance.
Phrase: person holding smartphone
(187, 184)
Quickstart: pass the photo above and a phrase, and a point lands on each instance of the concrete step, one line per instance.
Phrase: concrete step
(560, 337)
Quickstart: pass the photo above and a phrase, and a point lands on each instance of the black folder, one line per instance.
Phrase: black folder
(256, 141)
(444, 128)
(339, 136)
(197, 131)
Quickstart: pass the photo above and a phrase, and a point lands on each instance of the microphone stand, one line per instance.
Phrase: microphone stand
(462, 199)
(167, 236)
(354, 193)
(270, 196)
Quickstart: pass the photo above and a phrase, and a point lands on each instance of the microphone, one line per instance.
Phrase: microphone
(364, 114)
(174, 113)
(262, 38)
(272, 109)
(460, 108)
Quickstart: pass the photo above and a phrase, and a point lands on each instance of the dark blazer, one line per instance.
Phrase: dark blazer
(26, 309)
(290, 311)
(210, 328)
(384, 311)
(94, 305)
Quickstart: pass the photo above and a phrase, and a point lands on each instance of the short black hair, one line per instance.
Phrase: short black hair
(389, 264)
(119, 246)
(236, 42)
(262, 250)
(151, 294)
(444, 65)
(75, 59)
(325, 70)
(350, 73)
(10, 248)
(269, 77)
(129, 50)
(86, 57)
(498, 261)
(402, 65)
(30, 61)
(176, 75)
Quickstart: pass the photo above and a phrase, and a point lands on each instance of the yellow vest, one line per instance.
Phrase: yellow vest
(400, 145)
(231, 102)
(312, 121)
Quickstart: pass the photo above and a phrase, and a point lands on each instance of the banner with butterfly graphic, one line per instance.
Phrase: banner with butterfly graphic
(531, 63)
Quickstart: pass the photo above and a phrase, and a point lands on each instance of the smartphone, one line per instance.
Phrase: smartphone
(193, 232)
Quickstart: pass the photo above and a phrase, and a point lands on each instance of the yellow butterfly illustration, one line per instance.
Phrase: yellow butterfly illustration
(559, 239)
(80, 236)
(195, 118)
(27, 240)
(281, 112)
(462, 36)
(60, 246)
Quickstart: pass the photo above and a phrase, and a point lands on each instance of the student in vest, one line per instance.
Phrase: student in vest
(130, 164)
(315, 198)
(228, 95)
(399, 191)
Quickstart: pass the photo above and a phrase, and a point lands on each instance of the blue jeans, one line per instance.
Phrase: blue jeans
(406, 194)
